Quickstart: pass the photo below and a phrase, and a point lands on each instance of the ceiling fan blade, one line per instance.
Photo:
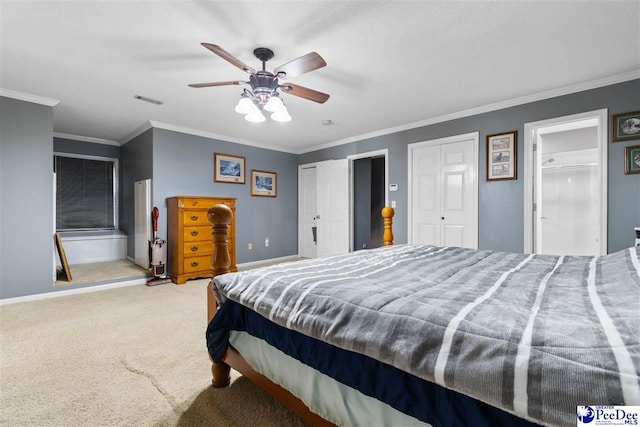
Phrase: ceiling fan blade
(304, 92)
(304, 64)
(229, 83)
(228, 57)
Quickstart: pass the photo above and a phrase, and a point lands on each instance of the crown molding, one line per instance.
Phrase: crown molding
(35, 99)
(205, 134)
(85, 138)
(566, 90)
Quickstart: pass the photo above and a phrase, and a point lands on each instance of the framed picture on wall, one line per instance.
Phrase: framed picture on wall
(632, 159)
(263, 183)
(502, 156)
(228, 168)
(625, 126)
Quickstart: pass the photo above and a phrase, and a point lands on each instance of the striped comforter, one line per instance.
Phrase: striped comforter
(534, 335)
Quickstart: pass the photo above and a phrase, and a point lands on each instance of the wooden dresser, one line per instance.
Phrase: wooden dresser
(189, 236)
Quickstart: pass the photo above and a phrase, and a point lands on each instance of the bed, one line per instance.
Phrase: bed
(425, 335)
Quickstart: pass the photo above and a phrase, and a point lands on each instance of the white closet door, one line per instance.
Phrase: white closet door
(444, 192)
(332, 178)
(457, 195)
(426, 196)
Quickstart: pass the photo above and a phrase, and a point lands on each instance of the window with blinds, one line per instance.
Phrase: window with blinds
(86, 190)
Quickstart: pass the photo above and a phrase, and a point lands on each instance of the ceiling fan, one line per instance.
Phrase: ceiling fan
(265, 85)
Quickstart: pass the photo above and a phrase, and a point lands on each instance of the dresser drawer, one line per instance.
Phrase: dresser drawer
(199, 203)
(201, 232)
(199, 263)
(195, 217)
(198, 248)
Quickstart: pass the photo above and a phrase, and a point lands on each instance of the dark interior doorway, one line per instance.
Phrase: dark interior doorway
(368, 201)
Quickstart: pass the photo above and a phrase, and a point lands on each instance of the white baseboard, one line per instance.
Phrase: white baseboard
(67, 292)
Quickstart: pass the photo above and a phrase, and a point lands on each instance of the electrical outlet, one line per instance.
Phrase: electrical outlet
(250, 246)
(266, 241)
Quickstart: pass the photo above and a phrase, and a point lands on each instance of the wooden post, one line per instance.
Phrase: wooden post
(220, 216)
(387, 214)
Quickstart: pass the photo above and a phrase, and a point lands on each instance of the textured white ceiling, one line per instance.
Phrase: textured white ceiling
(389, 63)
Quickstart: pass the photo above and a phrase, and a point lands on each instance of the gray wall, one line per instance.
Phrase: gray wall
(501, 204)
(72, 146)
(26, 198)
(136, 164)
(183, 165)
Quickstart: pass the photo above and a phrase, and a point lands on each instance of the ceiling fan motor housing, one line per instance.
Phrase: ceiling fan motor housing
(263, 85)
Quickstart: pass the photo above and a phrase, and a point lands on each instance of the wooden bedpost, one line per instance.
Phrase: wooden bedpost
(220, 216)
(387, 214)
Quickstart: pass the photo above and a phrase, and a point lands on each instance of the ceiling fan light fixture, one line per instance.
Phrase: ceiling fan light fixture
(274, 104)
(245, 105)
(255, 116)
(281, 116)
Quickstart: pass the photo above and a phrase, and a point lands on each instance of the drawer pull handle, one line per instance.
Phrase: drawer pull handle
(194, 203)
(194, 233)
(194, 264)
(194, 249)
(194, 217)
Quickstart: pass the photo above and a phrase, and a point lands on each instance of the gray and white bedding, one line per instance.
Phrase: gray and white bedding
(534, 335)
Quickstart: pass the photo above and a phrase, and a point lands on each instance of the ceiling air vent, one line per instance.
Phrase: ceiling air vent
(146, 99)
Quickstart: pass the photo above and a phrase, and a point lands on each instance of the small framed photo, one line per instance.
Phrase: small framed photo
(263, 183)
(227, 168)
(625, 126)
(632, 160)
(502, 156)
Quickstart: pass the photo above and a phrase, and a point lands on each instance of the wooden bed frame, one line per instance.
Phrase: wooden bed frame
(220, 217)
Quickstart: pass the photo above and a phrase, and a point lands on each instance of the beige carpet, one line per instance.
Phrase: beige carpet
(131, 356)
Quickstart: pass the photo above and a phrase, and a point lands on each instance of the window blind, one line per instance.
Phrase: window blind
(84, 194)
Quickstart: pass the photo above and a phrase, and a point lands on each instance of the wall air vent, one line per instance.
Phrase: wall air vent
(147, 99)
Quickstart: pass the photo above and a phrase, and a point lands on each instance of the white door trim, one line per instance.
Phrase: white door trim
(475, 136)
(350, 158)
(598, 118)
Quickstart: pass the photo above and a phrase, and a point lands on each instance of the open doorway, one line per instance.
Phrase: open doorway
(369, 178)
(566, 185)
(368, 201)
